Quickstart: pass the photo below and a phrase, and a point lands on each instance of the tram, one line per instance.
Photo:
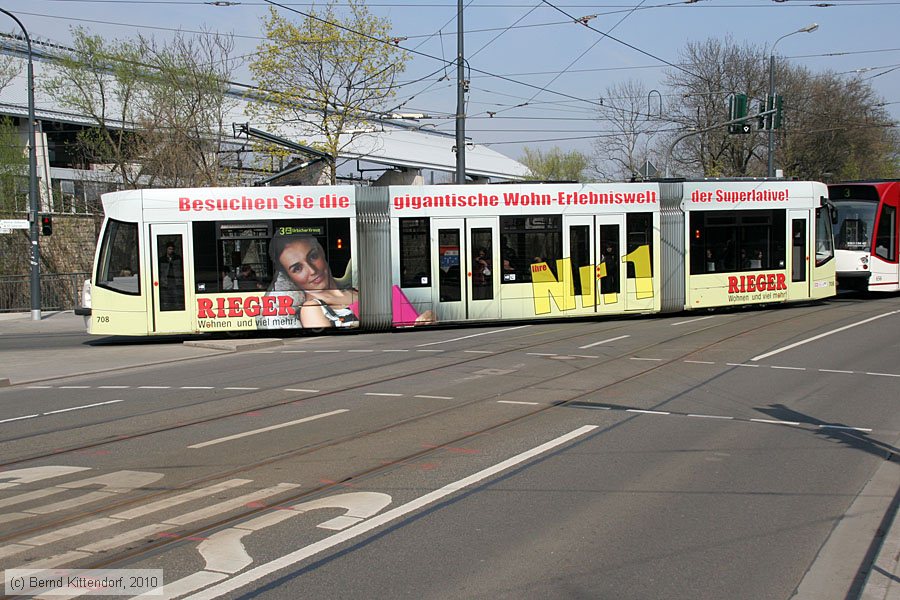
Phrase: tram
(866, 234)
(184, 261)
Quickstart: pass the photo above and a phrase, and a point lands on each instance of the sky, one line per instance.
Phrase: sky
(536, 71)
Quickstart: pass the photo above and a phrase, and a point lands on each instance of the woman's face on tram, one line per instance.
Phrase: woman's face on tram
(304, 262)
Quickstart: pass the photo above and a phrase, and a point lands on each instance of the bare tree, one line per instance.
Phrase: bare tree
(831, 126)
(714, 70)
(633, 116)
(835, 128)
(157, 111)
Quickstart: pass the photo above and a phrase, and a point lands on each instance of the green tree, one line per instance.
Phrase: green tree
(13, 153)
(330, 73)
(555, 165)
(157, 111)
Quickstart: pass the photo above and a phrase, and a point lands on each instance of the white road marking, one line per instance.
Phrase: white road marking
(288, 560)
(242, 388)
(154, 387)
(866, 429)
(197, 387)
(711, 417)
(773, 422)
(74, 387)
(293, 351)
(835, 371)
(433, 397)
(395, 350)
(38, 387)
(647, 412)
(740, 365)
(692, 320)
(585, 347)
(640, 358)
(16, 477)
(821, 335)
(700, 362)
(790, 368)
(211, 490)
(383, 394)
(465, 337)
(265, 429)
(884, 374)
(325, 351)
(360, 351)
(539, 354)
(23, 417)
(301, 390)
(431, 350)
(62, 410)
(113, 387)
(517, 402)
(584, 356)
(222, 507)
(478, 351)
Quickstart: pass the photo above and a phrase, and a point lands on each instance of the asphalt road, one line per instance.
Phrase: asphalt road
(685, 456)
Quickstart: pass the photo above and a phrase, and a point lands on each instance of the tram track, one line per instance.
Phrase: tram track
(360, 475)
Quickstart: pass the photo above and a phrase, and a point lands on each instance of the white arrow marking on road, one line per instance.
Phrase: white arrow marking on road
(301, 554)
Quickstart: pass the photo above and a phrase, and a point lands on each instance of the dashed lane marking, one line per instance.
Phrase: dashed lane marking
(585, 347)
(236, 436)
(614, 407)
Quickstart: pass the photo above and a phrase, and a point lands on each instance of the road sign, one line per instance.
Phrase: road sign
(14, 224)
(5, 230)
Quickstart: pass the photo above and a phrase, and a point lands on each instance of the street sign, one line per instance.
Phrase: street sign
(5, 230)
(14, 224)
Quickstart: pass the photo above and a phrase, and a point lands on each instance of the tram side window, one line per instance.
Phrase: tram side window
(206, 272)
(824, 237)
(886, 236)
(726, 242)
(415, 253)
(331, 236)
(119, 264)
(527, 240)
(638, 232)
(243, 256)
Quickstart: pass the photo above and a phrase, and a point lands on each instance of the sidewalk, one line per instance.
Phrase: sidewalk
(79, 353)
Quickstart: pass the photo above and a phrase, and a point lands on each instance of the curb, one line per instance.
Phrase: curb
(860, 532)
(221, 345)
(235, 345)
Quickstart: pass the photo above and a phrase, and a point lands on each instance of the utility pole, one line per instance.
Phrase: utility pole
(460, 99)
(771, 161)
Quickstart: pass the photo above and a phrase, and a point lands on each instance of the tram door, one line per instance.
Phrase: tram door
(611, 270)
(581, 279)
(798, 254)
(468, 277)
(172, 282)
(483, 267)
(450, 286)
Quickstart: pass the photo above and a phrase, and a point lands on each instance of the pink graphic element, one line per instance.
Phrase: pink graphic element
(402, 309)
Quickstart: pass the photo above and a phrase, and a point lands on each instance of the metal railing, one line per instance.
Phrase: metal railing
(59, 291)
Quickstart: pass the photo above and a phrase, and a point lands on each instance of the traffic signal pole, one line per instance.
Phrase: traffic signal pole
(32, 184)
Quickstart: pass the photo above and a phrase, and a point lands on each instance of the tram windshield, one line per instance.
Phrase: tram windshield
(856, 207)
